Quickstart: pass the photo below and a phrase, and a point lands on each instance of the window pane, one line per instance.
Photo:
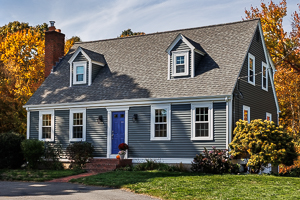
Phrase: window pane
(160, 130)
(79, 70)
(264, 71)
(201, 114)
(122, 115)
(179, 60)
(180, 69)
(201, 130)
(160, 115)
(79, 77)
(46, 132)
(264, 82)
(77, 118)
(77, 131)
(251, 64)
(251, 76)
(47, 120)
(246, 115)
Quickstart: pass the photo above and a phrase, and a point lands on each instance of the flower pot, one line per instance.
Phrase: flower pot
(122, 156)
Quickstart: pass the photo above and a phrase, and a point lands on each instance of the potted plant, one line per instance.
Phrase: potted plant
(122, 147)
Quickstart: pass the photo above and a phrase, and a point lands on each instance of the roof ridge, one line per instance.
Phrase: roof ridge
(147, 34)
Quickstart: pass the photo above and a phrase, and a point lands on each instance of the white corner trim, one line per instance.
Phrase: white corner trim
(28, 125)
(262, 76)
(41, 113)
(167, 107)
(210, 120)
(109, 128)
(230, 117)
(193, 63)
(227, 124)
(77, 110)
(169, 66)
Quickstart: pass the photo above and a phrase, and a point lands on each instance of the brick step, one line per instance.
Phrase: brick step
(105, 164)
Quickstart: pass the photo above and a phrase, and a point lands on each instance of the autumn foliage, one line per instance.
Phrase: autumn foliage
(262, 142)
(22, 49)
(285, 53)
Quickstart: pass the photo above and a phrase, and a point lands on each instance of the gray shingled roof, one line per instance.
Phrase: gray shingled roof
(137, 67)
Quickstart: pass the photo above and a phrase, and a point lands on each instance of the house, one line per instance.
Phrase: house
(167, 95)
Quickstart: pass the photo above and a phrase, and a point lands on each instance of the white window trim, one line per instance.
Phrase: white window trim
(248, 109)
(268, 115)
(153, 108)
(250, 56)
(262, 76)
(83, 111)
(186, 63)
(41, 113)
(75, 64)
(210, 120)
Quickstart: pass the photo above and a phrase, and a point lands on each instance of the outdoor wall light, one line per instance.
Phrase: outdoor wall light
(134, 117)
(100, 119)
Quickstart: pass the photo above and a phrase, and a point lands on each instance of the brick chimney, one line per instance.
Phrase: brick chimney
(54, 47)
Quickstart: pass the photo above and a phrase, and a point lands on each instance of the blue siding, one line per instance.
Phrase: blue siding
(34, 125)
(97, 133)
(61, 127)
(180, 145)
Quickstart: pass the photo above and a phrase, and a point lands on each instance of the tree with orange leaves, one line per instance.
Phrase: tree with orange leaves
(22, 49)
(285, 53)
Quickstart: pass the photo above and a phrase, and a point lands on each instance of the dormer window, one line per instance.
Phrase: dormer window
(181, 64)
(79, 72)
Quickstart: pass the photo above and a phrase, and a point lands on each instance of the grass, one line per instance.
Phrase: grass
(35, 175)
(176, 185)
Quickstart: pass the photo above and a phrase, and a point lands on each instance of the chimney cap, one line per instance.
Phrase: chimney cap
(52, 23)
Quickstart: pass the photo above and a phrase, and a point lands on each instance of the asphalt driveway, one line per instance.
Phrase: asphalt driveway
(46, 190)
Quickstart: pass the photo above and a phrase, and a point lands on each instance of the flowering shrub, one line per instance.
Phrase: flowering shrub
(291, 170)
(122, 152)
(123, 146)
(215, 162)
(264, 142)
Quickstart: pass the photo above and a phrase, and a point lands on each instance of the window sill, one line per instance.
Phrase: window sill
(77, 140)
(47, 140)
(202, 139)
(160, 139)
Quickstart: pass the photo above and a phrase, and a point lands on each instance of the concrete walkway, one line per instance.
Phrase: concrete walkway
(66, 191)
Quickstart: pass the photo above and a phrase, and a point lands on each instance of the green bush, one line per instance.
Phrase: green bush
(154, 165)
(294, 172)
(52, 154)
(215, 161)
(33, 150)
(263, 142)
(79, 153)
(11, 155)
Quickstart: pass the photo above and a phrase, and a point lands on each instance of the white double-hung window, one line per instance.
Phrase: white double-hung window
(202, 121)
(46, 125)
(160, 122)
(77, 125)
(251, 69)
(180, 63)
(79, 72)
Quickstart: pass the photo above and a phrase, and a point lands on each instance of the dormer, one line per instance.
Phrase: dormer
(84, 66)
(183, 56)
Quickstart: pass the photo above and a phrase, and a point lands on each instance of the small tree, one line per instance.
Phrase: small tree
(263, 142)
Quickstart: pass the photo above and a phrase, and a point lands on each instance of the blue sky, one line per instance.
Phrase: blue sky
(103, 19)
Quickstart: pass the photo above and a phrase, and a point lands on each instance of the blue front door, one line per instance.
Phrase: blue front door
(118, 130)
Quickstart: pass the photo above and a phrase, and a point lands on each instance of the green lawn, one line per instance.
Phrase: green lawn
(176, 185)
(35, 175)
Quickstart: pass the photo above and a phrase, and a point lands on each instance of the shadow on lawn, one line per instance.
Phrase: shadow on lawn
(120, 178)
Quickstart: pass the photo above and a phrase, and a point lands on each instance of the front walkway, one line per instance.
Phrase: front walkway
(68, 178)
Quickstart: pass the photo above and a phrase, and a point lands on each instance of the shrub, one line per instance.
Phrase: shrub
(154, 165)
(52, 154)
(33, 150)
(214, 162)
(79, 153)
(11, 155)
(264, 142)
(293, 172)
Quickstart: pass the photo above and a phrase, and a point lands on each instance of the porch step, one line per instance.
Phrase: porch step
(101, 165)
